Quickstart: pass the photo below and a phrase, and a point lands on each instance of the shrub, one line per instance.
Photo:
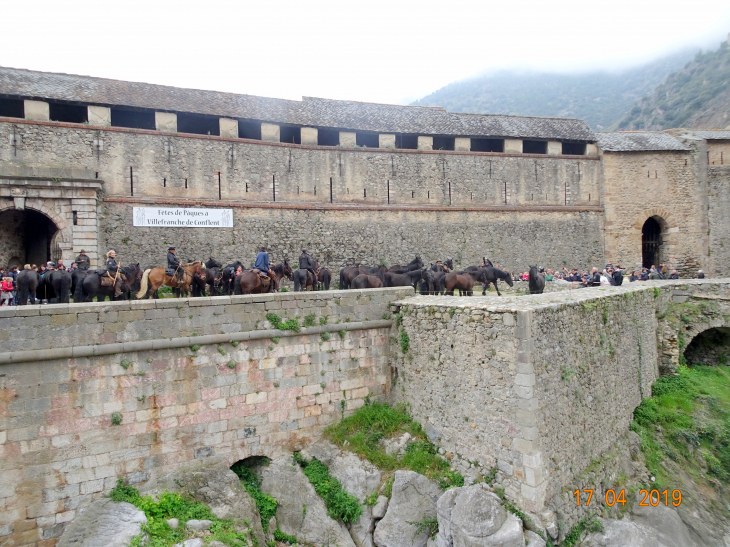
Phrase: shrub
(340, 504)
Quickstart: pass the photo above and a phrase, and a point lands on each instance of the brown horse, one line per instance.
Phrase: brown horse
(463, 281)
(154, 278)
(249, 282)
(364, 281)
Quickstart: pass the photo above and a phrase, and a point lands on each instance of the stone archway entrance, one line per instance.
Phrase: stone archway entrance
(29, 237)
(652, 242)
(47, 214)
(710, 347)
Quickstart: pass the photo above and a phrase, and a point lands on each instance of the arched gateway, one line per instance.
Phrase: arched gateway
(47, 214)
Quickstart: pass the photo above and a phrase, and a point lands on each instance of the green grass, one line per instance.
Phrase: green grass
(376, 421)
(250, 481)
(340, 505)
(693, 410)
(173, 505)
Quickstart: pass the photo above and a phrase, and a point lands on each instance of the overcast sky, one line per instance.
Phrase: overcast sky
(379, 51)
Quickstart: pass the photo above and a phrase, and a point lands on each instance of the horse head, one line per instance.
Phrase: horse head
(419, 262)
(449, 264)
(286, 268)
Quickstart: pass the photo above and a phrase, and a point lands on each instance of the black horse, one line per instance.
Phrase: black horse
(406, 279)
(492, 275)
(91, 286)
(536, 281)
(228, 276)
(415, 264)
(305, 278)
(55, 285)
(77, 276)
(426, 283)
(28, 282)
(324, 278)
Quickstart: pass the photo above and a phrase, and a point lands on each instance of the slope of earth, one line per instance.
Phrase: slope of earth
(695, 97)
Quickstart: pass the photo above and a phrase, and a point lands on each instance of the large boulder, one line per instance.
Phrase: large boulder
(106, 523)
(301, 512)
(358, 477)
(646, 526)
(220, 489)
(473, 516)
(414, 499)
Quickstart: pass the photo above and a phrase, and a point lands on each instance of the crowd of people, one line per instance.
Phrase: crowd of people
(9, 283)
(611, 275)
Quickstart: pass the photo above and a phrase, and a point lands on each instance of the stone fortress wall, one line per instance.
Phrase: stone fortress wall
(551, 210)
(538, 386)
(520, 190)
(189, 378)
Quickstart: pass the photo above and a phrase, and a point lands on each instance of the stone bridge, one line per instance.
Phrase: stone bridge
(536, 386)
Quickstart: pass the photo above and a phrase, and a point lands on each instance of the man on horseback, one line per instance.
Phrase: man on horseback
(173, 265)
(262, 265)
(112, 271)
(306, 263)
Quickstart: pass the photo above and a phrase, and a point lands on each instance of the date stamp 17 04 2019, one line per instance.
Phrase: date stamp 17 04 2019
(649, 497)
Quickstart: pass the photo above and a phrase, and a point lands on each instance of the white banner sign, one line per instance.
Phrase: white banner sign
(183, 217)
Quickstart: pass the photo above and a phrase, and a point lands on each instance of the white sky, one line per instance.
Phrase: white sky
(379, 51)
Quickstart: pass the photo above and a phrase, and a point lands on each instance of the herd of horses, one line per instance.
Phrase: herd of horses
(435, 279)
(211, 277)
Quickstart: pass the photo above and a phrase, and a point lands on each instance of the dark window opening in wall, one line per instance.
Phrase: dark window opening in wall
(70, 113)
(75, 217)
(289, 134)
(249, 130)
(133, 119)
(534, 147)
(328, 137)
(443, 143)
(406, 141)
(198, 124)
(574, 148)
(487, 145)
(12, 108)
(367, 140)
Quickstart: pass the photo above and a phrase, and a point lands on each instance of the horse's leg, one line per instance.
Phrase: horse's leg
(497, 288)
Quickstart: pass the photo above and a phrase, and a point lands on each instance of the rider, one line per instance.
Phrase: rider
(262, 264)
(173, 263)
(83, 261)
(306, 263)
(112, 271)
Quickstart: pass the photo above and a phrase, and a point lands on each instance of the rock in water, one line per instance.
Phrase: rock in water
(414, 499)
(359, 478)
(105, 523)
(220, 489)
(474, 516)
(285, 481)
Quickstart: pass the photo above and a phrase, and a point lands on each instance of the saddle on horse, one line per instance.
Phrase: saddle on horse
(108, 280)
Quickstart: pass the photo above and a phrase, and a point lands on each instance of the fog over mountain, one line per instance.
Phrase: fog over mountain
(599, 97)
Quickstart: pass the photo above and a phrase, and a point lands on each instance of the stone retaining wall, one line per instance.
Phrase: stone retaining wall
(244, 390)
(537, 386)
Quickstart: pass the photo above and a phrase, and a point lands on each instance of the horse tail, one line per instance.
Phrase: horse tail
(144, 284)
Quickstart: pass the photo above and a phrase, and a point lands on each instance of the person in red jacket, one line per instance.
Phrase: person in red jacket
(6, 291)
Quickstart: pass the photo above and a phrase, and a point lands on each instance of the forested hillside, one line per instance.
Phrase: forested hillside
(697, 96)
(600, 98)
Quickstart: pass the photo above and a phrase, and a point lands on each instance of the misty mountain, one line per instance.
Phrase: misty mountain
(601, 98)
(696, 96)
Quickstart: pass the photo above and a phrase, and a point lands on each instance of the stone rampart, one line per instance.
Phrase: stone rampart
(335, 237)
(537, 386)
(185, 379)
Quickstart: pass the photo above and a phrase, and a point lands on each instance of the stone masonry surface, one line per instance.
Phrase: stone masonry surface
(537, 386)
(229, 401)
